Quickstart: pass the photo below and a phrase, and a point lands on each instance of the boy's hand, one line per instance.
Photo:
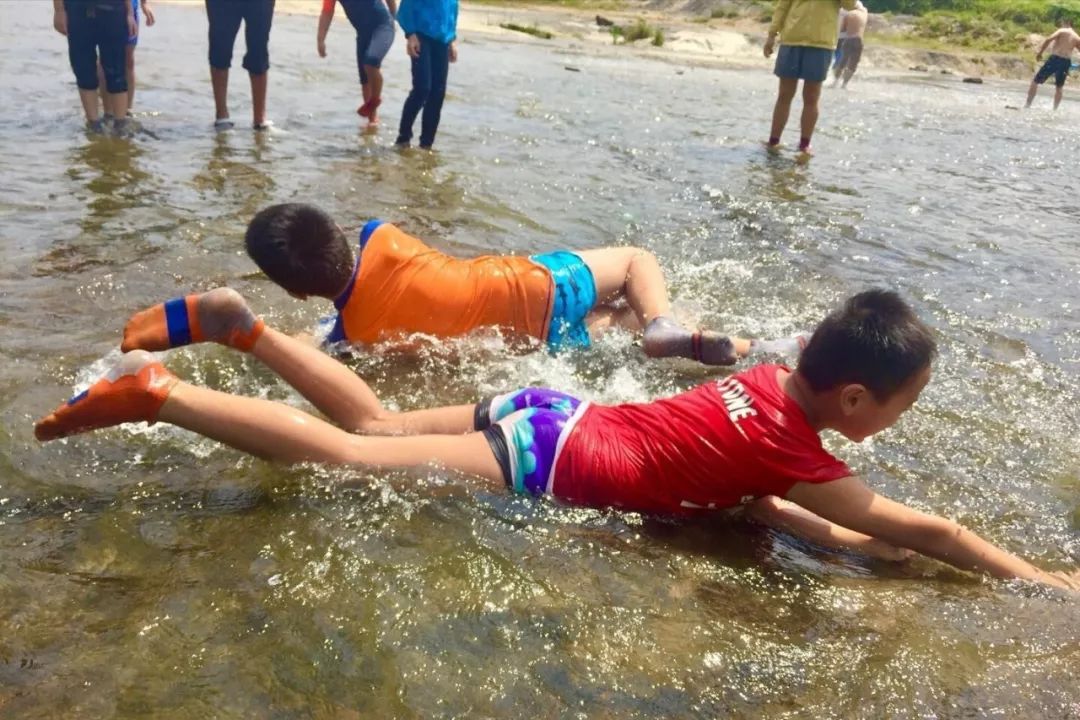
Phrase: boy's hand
(133, 27)
(453, 51)
(1062, 579)
(148, 14)
(412, 45)
(59, 22)
(770, 44)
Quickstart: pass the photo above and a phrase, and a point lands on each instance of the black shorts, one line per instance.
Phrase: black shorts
(1058, 67)
(224, 17)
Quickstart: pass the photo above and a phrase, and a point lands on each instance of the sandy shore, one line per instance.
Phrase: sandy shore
(687, 41)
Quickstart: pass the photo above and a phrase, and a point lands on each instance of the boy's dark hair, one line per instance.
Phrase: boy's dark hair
(874, 340)
(301, 249)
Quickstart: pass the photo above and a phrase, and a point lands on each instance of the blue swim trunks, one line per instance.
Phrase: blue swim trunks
(803, 63)
(575, 296)
(526, 430)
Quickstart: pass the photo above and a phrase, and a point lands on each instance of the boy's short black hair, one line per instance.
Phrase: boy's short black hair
(301, 249)
(874, 339)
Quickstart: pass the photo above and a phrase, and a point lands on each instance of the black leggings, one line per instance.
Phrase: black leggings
(93, 30)
(429, 73)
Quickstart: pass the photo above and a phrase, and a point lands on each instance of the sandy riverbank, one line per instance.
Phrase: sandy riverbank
(688, 40)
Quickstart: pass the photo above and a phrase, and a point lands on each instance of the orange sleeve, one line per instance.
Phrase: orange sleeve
(328, 6)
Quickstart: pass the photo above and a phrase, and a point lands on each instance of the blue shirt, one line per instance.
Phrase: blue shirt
(437, 19)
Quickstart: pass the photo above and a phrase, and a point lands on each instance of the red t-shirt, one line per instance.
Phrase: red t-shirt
(718, 445)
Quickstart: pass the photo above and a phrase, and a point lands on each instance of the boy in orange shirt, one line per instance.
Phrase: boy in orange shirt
(747, 439)
(398, 286)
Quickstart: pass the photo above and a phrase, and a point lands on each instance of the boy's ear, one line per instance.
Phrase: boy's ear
(852, 397)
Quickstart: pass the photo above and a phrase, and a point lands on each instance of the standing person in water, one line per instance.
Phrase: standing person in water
(807, 33)
(374, 24)
(224, 17)
(97, 29)
(854, 29)
(110, 111)
(1064, 42)
(749, 439)
(431, 31)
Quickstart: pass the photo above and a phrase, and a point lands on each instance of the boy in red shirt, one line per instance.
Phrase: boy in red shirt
(748, 439)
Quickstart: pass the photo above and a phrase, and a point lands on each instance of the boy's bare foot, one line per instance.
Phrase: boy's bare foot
(666, 338)
(133, 390)
(220, 315)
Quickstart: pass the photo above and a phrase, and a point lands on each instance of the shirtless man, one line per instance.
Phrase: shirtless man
(853, 29)
(1064, 41)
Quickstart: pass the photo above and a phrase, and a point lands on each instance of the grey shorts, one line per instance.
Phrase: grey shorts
(803, 63)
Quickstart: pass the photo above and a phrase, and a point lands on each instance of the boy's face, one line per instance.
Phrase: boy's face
(864, 415)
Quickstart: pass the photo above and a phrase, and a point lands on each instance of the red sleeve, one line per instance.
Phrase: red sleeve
(798, 459)
(328, 6)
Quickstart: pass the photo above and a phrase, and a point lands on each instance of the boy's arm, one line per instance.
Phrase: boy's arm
(850, 503)
(325, 18)
(59, 17)
(779, 16)
(148, 13)
(1046, 44)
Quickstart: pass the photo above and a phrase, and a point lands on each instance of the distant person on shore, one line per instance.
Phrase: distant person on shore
(851, 53)
(807, 32)
(1064, 42)
(840, 37)
(97, 30)
(224, 17)
(431, 31)
(374, 24)
(110, 112)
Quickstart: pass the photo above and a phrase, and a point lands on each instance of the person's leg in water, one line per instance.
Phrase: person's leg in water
(377, 44)
(82, 54)
(222, 316)
(634, 275)
(140, 389)
(224, 20)
(418, 95)
(258, 19)
(782, 110)
(811, 98)
(113, 46)
(1059, 83)
(440, 70)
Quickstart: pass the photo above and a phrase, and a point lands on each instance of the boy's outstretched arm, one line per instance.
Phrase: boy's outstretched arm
(1046, 44)
(850, 503)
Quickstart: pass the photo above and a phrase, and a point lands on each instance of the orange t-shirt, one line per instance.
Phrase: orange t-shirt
(401, 286)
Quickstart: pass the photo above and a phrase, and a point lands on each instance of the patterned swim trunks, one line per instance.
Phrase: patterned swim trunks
(526, 430)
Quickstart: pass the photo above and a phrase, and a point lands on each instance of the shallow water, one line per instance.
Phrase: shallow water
(146, 572)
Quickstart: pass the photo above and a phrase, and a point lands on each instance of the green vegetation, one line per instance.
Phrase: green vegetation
(531, 30)
(640, 30)
(995, 25)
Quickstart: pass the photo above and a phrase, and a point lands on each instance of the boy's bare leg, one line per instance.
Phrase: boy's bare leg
(800, 522)
(258, 99)
(219, 80)
(89, 100)
(1031, 93)
(811, 98)
(635, 275)
(130, 70)
(222, 316)
(1059, 92)
(140, 389)
(345, 398)
(782, 109)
